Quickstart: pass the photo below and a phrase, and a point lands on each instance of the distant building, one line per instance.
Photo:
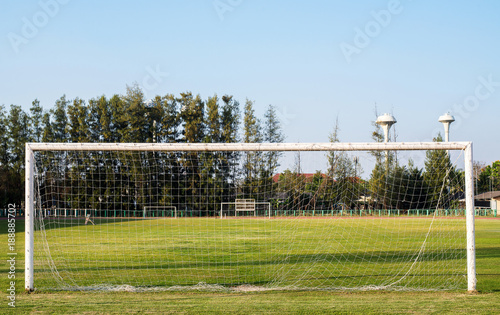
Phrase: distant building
(489, 199)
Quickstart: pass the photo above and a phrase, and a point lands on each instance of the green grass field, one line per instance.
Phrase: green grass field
(281, 253)
(224, 256)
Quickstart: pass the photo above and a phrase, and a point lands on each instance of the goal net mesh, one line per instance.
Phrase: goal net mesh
(327, 220)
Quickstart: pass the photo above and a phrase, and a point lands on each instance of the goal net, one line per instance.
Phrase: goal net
(250, 216)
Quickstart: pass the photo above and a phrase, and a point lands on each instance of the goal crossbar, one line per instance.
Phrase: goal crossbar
(170, 147)
(354, 146)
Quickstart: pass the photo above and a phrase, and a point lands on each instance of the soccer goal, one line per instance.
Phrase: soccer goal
(242, 216)
(159, 211)
(245, 206)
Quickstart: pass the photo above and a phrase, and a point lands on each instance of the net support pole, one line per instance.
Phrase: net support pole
(470, 227)
(29, 220)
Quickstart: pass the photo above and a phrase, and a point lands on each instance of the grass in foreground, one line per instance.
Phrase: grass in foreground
(308, 302)
(277, 253)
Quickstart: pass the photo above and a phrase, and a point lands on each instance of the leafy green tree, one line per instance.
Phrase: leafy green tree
(169, 119)
(118, 122)
(48, 131)
(340, 165)
(132, 115)
(317, 189)
(343, 174)
(18, 122)
(36, 121)
(59, 125)
(252, 160)
(292, 188)
(439, 176)
(17, 126)
(128, 117)
(230, 119)
(166, 129)
(378, 186)
(78, 122)
(333, 156)
(416, 193)
(407, 189)
(162, 119)
(49, 173)
(192, 114)
(229, 161)
(211, 183)
(100, 121)
(5, 169)
(272, 134)
(489, 178)
(79, 129)
(108, 130)
(103, 129)
(250, 124)
(55, 130)
(213, 121)
(4, 138)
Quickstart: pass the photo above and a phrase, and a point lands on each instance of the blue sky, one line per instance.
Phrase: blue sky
(415, 59)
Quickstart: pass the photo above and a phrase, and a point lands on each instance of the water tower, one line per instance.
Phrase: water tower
(386, 121)
(446, 119)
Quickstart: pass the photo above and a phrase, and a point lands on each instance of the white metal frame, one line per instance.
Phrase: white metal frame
(404, 146)
(159, 207)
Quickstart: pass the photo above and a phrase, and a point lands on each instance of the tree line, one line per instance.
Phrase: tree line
(131, 118)
(204, 180)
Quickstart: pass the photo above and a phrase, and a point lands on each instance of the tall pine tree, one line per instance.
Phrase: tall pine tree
(252, 160)
(36, 122)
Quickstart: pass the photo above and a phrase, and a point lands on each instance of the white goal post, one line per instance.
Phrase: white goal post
(147, 208)
(33, 148)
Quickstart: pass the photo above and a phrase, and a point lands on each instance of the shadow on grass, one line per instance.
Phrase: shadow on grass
(322, 260)
(489, 252)
(67, 222)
